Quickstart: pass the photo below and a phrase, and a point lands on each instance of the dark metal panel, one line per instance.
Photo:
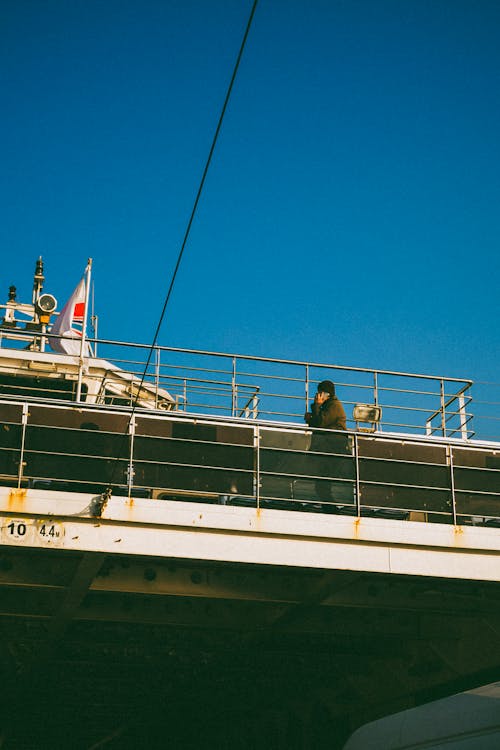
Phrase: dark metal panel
(397, 472)
(89, 419)
(473, 504)
(409, 498)
(76, 442)
(11, 413)
(479, 480)
(401, 450)
(307, 464)
(193, 479)
(482, 459)
(193, 452)
(77, 468)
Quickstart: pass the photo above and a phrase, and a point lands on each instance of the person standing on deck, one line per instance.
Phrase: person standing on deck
(326, 409)
(327, 413)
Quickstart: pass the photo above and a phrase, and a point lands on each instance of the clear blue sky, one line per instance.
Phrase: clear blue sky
(351, 214)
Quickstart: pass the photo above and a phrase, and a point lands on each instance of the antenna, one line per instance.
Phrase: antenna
(38, 280)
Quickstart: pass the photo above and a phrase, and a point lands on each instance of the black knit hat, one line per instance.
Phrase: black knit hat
(327, 387)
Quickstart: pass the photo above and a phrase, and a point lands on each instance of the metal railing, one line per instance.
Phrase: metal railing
(240, 462)
(448, 417)
(221, 384)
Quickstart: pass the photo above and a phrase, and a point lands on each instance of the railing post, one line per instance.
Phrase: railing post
(443, 408)
(356, 465)
(307, 387)
(130, 467)
(463, 416)
(233, 389)
(256, 442)
(157, 375)
(185, 394)
(79, 381)
(449, 451)
(375, 395)
(24, 423)
(255, 406)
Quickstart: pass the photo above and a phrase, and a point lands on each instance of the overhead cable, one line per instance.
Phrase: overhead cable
(189, 224)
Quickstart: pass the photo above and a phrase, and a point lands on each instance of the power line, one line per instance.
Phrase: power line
(192, 215)
(200, 189)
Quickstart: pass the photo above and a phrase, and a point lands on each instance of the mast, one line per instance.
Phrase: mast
(88, 272)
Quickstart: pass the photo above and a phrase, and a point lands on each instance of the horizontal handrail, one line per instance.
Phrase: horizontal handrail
(275, 360)
(29, 335)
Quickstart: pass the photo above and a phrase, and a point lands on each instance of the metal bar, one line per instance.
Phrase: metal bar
(307, 387)
(84, 331)
(24, 423)
(130, 468)
(477, 492)
(245, 411)
(373, 483)
(449, 453)
(235, 470)
(255, 405)
(233, 389)
(299, 363)
(358, 484)
(447, 403)
(341, 480)
(443, 409)
(157, 374)
(94, 320)
(172, 380)
(80, 380)
(257, 465)
(463, 420)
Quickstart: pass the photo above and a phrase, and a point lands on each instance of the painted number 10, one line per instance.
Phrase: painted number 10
(17, 528)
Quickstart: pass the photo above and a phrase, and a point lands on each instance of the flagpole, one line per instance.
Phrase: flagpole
(88, 271)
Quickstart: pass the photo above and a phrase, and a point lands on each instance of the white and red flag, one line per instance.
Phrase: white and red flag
(73, 312)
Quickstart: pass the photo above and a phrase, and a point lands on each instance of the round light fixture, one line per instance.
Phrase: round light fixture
(46, 303)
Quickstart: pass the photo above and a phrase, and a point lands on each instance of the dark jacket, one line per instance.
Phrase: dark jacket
(330, 415)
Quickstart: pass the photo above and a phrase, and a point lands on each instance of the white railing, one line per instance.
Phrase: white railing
(272, 389)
